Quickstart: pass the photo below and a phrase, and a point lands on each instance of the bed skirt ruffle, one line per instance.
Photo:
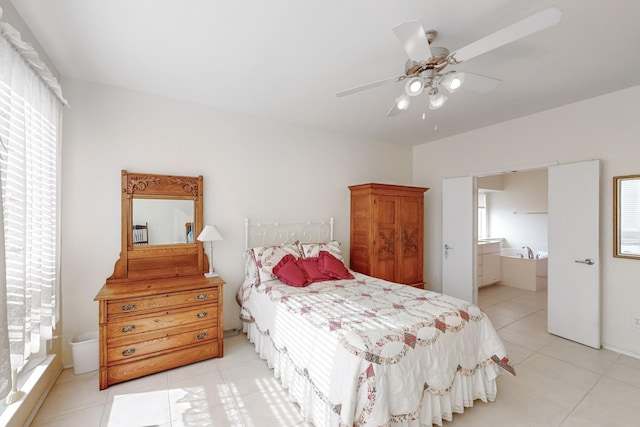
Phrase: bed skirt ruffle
(435, 406)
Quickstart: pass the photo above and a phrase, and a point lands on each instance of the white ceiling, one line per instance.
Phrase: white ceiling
(286, 59)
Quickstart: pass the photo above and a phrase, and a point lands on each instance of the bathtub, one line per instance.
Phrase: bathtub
(518, 271)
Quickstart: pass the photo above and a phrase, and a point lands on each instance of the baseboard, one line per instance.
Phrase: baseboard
(618, 350)
(231, 332)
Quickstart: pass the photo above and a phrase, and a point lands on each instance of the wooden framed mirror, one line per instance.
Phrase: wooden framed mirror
(626, 216)
(161, 218)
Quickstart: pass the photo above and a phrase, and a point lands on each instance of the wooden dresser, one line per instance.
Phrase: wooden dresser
(158, 311)
(154, 325)
(387, 229)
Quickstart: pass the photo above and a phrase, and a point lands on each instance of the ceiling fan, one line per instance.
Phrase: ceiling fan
(425, 68)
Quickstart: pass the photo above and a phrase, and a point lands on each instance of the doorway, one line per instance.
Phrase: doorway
(573, 242)
(513, 230)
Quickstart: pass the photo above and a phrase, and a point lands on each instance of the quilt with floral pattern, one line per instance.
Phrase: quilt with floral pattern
(371, 352)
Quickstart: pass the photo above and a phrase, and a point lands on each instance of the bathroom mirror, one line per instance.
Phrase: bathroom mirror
(626, 216)
(161, 218)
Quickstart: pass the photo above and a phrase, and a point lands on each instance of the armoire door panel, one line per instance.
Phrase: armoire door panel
(409, 270)
(386, 244)
(410, 241)
(385, 238)
(385, 269)
(386, 211)
(411, 210)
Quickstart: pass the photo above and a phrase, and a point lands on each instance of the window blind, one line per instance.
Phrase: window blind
(30, 114)
(28, 164)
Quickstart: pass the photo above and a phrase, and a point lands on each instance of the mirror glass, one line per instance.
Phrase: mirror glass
(167, 221)
(627, 216)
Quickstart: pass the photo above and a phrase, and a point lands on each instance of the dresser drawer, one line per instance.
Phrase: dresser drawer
(159, 302)
(206, 315)
(135, 369)
(158, 343)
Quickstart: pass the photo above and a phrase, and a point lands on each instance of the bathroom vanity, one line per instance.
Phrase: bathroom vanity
(488, 262)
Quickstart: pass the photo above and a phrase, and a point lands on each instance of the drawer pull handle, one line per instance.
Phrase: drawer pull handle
(202, 335)
(128, 307)
(202, 315)
(128, 328)
(129, 352)
(201, 297)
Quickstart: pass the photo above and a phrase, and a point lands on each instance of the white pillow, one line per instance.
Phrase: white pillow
(267, 257)
(310, 250)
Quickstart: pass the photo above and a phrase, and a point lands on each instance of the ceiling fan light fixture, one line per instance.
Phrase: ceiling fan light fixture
(403, 101)
(414, 87)
(425, 65)
(436, 100)
(452, 82)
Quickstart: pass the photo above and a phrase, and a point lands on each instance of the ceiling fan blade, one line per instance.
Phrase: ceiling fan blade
(479, 83)
(527, 26)
(370, 85)
(414, 40)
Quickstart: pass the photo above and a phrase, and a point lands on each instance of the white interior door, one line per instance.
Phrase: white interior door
(459, 238)
(574, 261)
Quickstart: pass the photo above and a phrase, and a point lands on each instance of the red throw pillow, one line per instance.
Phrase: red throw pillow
(290, 273)
(332, 266)
(310, 266)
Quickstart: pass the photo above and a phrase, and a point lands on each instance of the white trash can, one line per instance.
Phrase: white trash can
(84, 349)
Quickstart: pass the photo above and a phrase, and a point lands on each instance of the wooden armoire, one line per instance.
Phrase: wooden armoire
(387, 229)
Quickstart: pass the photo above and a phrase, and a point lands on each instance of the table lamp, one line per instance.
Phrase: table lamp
(208, 234)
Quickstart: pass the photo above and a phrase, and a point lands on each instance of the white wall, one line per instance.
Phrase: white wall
(605, 128)
(526, 194)
(252, 167)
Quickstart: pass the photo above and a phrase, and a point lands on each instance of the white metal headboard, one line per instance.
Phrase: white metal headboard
(275, 233)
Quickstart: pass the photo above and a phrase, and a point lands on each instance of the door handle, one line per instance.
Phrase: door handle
(446, 251)
(587, 261)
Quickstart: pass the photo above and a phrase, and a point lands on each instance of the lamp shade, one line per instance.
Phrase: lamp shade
(209, 233)
(436, 100)
(452, 81)
(414, 87)
(403, 101)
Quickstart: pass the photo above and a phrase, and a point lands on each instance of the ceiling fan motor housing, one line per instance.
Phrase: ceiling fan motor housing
(437, 61)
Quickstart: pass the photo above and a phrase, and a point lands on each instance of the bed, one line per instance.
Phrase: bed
(356, 350)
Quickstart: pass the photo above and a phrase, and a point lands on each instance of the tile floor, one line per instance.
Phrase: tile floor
(559, 383)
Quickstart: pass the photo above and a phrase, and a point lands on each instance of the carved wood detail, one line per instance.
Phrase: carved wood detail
(388, 246)
(188, 185)
(161, 185)
(140, 183)
(410, 241)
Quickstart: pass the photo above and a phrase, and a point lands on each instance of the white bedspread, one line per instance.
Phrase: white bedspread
(370, 352)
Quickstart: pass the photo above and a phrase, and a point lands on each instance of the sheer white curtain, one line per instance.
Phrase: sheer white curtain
(5, 354)
(30, 115)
